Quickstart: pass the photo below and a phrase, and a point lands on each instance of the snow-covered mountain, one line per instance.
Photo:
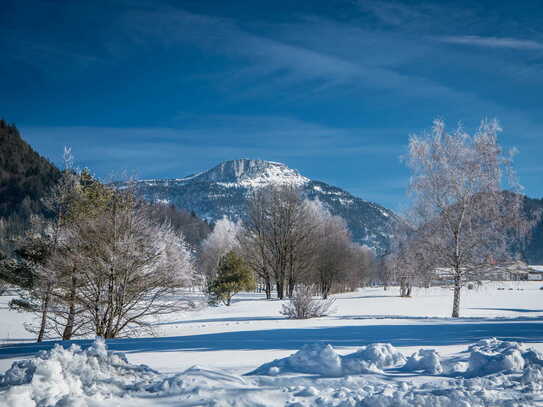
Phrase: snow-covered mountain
(223, 190)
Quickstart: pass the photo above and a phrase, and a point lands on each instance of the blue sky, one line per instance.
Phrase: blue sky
(331, 88)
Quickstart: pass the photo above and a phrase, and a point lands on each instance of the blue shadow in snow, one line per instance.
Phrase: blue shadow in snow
(510, 309)
(231, 319)
(293, 339)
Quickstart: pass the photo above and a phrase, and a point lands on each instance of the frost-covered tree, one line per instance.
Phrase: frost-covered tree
(130, 268)
(44, 239)
(223, 239)
(332, 248)
(464, 218)
(338, 264)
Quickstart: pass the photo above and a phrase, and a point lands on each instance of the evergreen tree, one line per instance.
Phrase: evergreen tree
(233, 276)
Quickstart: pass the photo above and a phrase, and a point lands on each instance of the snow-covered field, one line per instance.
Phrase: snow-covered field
(227, 343)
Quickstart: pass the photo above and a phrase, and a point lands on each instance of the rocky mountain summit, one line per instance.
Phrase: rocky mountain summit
(224, 189)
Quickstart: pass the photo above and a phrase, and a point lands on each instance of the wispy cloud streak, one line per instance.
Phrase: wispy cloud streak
(493, 42)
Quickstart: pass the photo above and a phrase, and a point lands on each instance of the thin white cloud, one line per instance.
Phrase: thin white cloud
(493, 42)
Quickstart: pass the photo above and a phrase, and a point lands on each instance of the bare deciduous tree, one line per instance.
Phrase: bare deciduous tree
(463, 217)
(280, 231)
(335, 257)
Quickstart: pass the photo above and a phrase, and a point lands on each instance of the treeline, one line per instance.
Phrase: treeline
(193, 228)
(106, 263)
(288, 241)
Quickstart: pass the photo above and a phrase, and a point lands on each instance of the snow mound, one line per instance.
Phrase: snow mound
(426, 360)
(68, 376)
(195, 379)
(492, 355)
(314, 358)
(322, 359)
(486, 357)
(372, 358)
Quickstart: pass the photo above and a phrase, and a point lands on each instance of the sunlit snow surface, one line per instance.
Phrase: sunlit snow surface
(376, 350)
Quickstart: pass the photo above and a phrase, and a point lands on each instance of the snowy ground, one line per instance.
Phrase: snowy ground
(229, 342)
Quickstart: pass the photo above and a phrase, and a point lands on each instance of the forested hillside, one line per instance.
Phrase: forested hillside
(534, 249)
(25, 178)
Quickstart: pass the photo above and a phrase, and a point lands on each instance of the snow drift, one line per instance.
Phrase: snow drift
(62, 376)
(498, 373)
(322, 359)
(493, 356)
(425, 360)
(486, 357)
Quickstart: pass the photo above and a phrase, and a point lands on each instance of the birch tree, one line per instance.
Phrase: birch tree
(462, 214)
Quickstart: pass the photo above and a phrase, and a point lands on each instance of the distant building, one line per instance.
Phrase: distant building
(512, 271)
(535, 273)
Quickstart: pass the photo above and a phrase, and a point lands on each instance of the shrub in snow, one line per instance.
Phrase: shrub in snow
(426, 360)
(302, 305)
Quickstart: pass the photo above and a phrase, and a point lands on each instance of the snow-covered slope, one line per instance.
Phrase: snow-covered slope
(223, 190)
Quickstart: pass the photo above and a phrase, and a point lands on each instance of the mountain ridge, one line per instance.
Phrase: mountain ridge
(223, 191)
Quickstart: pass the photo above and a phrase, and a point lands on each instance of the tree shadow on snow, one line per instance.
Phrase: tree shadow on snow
(510, 309)
(231, 319)
(293, 339)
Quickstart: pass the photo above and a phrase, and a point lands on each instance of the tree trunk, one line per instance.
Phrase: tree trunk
(268, 289)
(68, 329)
(279, 285)
(456, 298)
(403, 290)
(45, 309)
(291, 285)
(325, 290)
